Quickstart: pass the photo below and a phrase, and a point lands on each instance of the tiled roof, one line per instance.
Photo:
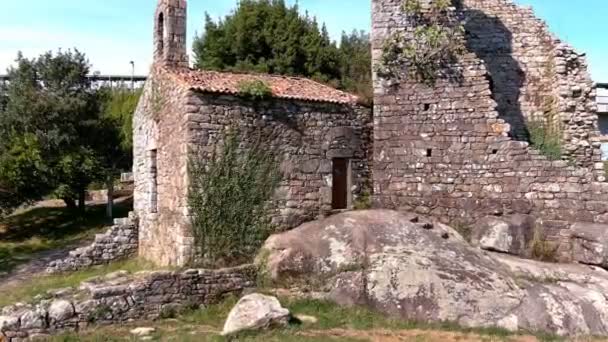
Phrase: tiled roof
(282, 86)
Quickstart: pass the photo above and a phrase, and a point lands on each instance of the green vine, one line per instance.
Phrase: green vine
(229, 198)
(426, 52)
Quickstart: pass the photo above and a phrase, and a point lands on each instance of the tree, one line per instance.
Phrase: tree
(356, 70)
(47, 128)
(267, 36)
(115, 134)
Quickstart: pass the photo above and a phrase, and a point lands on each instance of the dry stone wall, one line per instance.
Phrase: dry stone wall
(121, 298)
(305, 135)
(447, 151)
(119, 242)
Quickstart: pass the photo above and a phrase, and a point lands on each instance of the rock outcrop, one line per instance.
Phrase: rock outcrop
(510, 234)
(255, 311)
(428, 272)
(590, 244)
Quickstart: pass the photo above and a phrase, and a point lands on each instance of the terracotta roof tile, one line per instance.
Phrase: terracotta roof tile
(282, 86)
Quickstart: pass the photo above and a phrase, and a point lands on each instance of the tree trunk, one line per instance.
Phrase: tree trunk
(70, 203)
(110, 205)
(82, 197)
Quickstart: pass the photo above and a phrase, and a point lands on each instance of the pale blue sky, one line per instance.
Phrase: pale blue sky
(114, 32)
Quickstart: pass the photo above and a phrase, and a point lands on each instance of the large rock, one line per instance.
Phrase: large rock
(381, 259)
(590, 243)
(8, 323)
(255, 311)
(507, 234)
(33, 319)
(61, 310)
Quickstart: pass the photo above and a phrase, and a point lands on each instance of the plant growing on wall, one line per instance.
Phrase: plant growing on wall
(426, 52)
(228, 198)
(544, 132)
(254, 90)
(545, 139)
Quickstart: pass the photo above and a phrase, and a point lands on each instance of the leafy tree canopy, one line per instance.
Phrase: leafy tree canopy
(268, 36)
(54, 138)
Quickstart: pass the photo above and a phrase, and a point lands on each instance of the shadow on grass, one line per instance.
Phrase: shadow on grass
(24, 235)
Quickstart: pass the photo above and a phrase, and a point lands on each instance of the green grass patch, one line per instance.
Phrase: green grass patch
(40, 285)
(36, 230)
(205, 325)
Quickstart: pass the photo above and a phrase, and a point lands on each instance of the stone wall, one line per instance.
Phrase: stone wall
(306, 136)
(445, 150)
(119, 242)
(120, 298)
(161, 180)
(534, 76)
(173, 121)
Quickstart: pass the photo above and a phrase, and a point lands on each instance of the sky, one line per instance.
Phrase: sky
(114, 32)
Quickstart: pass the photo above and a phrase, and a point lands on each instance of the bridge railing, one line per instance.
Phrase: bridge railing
(112, 81)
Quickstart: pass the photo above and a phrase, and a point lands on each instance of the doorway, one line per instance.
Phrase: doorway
(341, 179)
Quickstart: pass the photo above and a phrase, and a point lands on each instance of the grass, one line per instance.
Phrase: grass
(27, 233)
(334, 324)
(40, 285)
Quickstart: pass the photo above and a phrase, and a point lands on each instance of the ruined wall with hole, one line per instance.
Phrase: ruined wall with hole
(534, 76)
(447, 150)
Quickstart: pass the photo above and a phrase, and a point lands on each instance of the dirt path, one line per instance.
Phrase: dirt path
(35, 267)
(38, 262)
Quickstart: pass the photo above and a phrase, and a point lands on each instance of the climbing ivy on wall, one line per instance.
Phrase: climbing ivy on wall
(228, 198)
(427, 51)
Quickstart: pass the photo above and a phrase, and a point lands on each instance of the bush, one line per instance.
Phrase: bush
(229, 197)
(255, 90)
(547, 141)
(541, 249)
(430, 50)
(364, 201)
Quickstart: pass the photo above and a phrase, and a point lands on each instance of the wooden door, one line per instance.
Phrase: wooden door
(340, 183)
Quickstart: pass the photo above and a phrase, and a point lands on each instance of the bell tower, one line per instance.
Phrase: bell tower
(170, 33)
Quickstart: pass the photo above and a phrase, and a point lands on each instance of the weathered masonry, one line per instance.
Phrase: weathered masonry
(456, 150)
(602, 113)
(321, 134)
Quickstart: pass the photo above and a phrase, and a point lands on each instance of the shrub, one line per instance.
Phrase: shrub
(229, 196)
(541, 249)
(544, 139)
(429, 50)
(255, 90)
(364, 201)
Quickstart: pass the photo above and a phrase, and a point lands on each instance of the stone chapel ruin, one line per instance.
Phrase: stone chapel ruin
(454, 150)
(322, 135)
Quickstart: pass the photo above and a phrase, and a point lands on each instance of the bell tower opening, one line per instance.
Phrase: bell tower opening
(170, 33)
(160, 36)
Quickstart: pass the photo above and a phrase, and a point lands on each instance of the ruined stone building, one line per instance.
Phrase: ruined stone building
(456, 150)
(322, 136)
